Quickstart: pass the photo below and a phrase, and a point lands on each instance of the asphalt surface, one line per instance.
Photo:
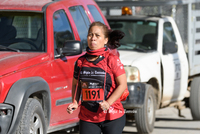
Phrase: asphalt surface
(167, 122)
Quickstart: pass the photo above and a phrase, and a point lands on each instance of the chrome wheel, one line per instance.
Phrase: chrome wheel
(150, 110)
(36, 125)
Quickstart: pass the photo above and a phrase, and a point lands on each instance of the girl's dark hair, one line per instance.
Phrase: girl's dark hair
(113, 35)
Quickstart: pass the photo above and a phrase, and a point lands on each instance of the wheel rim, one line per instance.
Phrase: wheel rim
(36, 126)
(150, 110)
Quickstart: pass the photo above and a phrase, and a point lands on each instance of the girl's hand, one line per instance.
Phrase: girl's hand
(72, 107)
(104, 105)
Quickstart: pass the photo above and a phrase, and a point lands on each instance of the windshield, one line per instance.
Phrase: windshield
(139, 35)
(21, 31)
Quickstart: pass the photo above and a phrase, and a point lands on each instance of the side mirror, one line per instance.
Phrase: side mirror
(70, 48)
(170, 48)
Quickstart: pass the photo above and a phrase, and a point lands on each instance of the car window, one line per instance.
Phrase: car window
(168, 33)
(22, 31)
(83, 13)
(62, 30)
(138, 34)
(95, 13)
(82, 23)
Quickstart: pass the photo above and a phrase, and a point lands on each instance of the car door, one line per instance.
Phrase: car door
(173, 65)
(63, 68)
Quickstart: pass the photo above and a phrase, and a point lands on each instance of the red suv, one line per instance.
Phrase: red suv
(39, 42)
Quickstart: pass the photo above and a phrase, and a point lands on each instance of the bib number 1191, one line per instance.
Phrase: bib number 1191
(93, 94)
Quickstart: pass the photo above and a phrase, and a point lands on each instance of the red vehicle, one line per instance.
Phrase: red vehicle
(39, 42)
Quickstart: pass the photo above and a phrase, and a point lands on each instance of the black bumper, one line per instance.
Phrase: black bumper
(136, 96)
(6, 113)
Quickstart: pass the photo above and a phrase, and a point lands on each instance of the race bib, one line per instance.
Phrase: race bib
(92, 91)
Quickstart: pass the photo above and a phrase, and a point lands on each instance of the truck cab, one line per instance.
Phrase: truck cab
(157, 54)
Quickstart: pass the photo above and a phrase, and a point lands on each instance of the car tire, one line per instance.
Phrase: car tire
(145, 116)
(33, 119)
(194, 100)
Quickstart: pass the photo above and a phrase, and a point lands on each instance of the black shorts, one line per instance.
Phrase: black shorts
(106, 127)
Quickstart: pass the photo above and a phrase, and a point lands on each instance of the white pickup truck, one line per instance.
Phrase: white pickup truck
(161, 70)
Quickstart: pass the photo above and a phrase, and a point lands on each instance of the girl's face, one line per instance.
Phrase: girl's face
(96, 38)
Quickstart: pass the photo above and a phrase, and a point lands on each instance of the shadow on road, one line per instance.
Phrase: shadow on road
(172, 119)
(130, 123)
(124, 132)
(181, 128)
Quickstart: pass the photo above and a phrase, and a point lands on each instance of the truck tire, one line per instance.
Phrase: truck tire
(145, 116)
(194, 100)
(33, 120)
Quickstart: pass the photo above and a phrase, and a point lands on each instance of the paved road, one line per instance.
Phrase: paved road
(167, 122)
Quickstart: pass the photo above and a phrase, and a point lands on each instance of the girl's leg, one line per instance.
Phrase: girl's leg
(89, 127)
(114, 126)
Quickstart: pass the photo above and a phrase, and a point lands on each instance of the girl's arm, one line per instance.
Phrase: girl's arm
(121, 86)
(75, 97)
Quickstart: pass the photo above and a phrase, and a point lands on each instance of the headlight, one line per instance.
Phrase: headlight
(132, 74)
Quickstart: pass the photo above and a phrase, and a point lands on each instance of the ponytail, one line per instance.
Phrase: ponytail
(114, 37)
